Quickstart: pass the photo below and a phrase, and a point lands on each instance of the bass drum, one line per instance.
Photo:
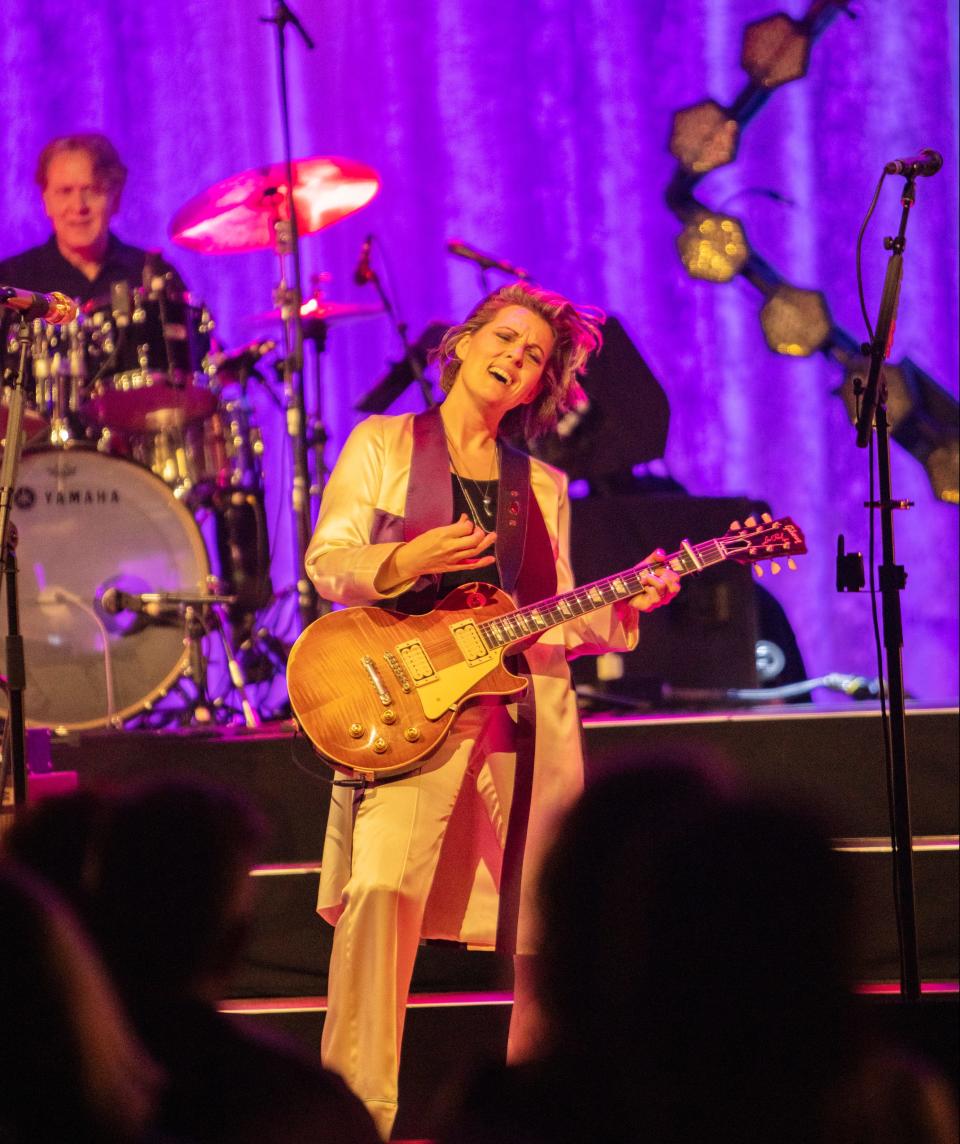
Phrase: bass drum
(87, 522)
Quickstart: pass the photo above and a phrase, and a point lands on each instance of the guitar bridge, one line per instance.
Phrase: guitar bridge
(371, 669)
(394, 664)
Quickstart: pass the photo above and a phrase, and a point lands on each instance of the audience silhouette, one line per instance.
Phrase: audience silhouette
(173, 907)
(72, 1068)
(168, 896)
(55, 836)
(695, 980)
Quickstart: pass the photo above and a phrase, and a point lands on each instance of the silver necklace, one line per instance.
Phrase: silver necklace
(486, 497)
(487, 502)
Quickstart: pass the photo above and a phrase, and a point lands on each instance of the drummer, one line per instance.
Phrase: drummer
(81, 178)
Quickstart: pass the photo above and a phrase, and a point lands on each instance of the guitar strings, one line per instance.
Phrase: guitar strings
(589, 597)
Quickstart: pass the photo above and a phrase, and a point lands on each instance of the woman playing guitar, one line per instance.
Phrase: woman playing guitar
(418, 506)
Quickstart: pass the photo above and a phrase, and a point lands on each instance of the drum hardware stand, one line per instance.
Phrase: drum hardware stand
(15, 661)
(203, 616)
(290, 300)
(365, 273)
(315, 331)
(59, 378)
(873, 412)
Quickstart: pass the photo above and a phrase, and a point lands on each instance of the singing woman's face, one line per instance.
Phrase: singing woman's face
(502, 362)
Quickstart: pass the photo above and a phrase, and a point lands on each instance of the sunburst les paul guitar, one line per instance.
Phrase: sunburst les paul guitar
(377, 692)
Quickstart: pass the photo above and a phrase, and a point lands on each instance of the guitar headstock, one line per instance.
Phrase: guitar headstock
(752, 542)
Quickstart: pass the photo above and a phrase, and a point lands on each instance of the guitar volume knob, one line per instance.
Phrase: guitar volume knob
(389, 716)
(379, 745)
(412, 734)
(355, 730)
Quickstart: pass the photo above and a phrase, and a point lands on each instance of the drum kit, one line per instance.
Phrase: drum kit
(143, 458)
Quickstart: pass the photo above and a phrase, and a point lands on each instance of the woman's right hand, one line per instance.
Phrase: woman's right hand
(450, 548)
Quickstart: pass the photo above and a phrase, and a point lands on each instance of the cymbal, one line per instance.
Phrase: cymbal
(240, 212)
(322, 310)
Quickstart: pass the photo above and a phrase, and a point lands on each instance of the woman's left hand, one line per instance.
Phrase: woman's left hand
(660, 583)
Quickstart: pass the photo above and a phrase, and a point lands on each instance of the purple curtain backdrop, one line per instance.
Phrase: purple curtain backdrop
(539, 130)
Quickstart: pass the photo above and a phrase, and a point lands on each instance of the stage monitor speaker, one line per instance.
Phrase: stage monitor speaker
(706, 638)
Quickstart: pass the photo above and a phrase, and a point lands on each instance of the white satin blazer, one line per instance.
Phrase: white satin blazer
(359, 525)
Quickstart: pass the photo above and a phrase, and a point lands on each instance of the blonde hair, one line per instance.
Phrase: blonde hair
(576, 332)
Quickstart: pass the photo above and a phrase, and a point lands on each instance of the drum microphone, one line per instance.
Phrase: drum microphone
(928, 162)
(364, 271)
(144, 603)
(113, 600)
(484, 261)
(55, 308)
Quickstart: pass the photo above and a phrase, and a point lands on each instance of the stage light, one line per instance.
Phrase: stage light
(776, 50)
(923, 419)
(795, 322)
(703, 137)
(713, 247)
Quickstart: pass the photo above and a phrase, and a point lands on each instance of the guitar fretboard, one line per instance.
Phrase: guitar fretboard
(534, 618)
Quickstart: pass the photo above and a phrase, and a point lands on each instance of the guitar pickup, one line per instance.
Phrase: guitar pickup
(470, 642)
(416, 661)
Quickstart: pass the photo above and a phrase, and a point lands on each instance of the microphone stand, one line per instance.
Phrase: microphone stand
(892, 581)
(15, 661)
(409, 354)
(291, 299)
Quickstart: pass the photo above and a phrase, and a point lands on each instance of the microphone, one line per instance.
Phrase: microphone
(55, 308)
(364, 271)
(113, 600)
(244, 358)
(145, 603)
(928, 162)
(485, 261)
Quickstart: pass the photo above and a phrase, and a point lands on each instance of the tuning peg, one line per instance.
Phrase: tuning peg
(766, 518)
(758, 571)
(774, 567)
(792, 564)
(751, 522)
(734, 526)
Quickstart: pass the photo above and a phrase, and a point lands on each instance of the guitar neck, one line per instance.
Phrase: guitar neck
(535, 618)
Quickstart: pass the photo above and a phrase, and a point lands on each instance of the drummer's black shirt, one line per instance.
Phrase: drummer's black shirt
(43, 268)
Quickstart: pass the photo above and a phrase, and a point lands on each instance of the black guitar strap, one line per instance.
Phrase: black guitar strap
(512, 513)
